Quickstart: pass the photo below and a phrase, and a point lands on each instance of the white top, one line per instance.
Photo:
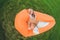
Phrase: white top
(31, 17)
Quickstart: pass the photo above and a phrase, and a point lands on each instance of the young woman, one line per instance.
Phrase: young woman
(32, 22)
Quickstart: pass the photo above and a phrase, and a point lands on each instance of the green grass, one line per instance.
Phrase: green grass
(9, 9)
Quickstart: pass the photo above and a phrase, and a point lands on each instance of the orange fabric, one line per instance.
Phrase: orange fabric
(22, 18)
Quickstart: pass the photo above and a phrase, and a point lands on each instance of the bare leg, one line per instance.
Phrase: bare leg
(32, 26)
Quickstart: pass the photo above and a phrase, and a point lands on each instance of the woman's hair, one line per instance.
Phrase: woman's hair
(32, 13)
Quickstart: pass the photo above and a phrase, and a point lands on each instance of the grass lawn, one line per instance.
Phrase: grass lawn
(9, 9)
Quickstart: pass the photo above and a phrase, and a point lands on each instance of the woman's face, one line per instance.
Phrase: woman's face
(31, 12)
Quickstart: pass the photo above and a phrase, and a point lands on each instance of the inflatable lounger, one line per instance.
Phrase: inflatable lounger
(22, 18)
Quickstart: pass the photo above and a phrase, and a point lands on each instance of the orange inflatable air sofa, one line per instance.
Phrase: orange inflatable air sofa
(22, 18)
